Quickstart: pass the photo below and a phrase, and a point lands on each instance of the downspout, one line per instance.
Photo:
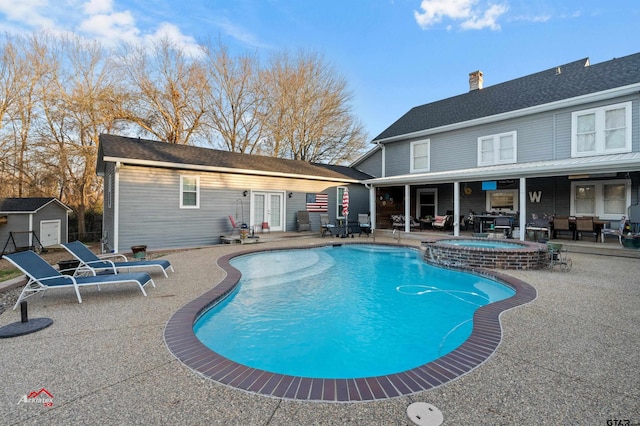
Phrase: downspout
(383, 164)
(116, 206)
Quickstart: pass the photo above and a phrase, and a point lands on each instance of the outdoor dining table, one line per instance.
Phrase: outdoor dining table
(485, 219)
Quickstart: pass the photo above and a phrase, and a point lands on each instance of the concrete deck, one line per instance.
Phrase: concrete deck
(569, 357)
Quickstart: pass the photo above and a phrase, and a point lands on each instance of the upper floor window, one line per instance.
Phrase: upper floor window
(497, 149)
(604, 130)
(420, 152)
(189, 192)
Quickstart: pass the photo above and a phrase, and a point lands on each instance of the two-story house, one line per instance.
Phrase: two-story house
(563, 141)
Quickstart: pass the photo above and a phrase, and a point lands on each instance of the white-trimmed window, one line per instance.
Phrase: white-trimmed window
(604, 130)
(502, 200)
(420, 156)
(607, 200)
(498, 149)
(189, 192)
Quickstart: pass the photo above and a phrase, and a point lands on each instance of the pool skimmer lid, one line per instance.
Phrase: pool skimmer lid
(424, 414)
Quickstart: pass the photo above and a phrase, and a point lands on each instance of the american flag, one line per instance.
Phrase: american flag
(317, 202)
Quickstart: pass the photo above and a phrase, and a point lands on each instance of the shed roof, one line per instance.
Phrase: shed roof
(567, 81)
(154, 153)
(27, 205)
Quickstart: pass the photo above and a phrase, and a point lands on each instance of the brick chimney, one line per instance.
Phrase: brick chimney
(475, 81)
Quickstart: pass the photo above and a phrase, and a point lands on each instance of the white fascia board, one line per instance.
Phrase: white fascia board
(583, 165)
(182, 166)
(565, 103)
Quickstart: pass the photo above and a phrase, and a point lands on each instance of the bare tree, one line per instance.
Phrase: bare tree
(30, 69)
(234, 100)
(308, 113)
(82, 101)
(169, 89)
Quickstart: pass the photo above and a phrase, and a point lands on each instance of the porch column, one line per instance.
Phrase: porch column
(407, 208)
(523, 208)
(372, 206)
(456, 208)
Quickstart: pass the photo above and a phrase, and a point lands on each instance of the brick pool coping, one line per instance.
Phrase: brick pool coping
(481, 344)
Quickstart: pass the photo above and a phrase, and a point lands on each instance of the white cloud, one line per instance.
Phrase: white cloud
(172, 33)
(28, 12)
(488, 19)
(110, 28)
(469, 13)
(93, 7)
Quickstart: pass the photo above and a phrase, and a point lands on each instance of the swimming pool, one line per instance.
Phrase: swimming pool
(484, 338)
(344, 312)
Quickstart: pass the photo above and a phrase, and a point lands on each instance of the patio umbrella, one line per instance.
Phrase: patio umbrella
(345, 210)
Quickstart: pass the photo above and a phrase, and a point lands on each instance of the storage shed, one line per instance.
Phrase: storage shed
(32, 223)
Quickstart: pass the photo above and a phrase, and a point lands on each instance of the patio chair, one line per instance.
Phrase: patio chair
(234, 225)
(537, 226)
(325, 225)
(604, 232)
(442, 222)
(91, 261)
(43, 277)
(304, 223)
(397, 221)
(365, 224)
(584, 225)
(561, 224)
(503, 223)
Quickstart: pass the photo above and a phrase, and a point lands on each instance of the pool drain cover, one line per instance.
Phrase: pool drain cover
(424, 414)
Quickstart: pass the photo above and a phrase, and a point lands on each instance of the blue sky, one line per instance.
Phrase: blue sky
(394, 54)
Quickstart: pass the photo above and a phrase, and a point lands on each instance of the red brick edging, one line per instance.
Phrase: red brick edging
(483, 341)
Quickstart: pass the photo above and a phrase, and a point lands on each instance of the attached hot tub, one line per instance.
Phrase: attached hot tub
(487, 253)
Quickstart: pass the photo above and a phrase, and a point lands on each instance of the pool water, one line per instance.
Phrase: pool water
(344, 312)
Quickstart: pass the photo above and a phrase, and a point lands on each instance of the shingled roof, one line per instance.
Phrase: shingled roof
(559, 83)
(26, 205)
(121, 148)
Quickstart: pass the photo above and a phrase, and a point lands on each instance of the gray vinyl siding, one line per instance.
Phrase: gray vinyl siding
(15, 223)
(150, 213)
(372, 165)
(18, 223)
(52, 211)
(540, 137)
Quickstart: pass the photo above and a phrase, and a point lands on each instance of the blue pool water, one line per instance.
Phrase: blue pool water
(344, 312)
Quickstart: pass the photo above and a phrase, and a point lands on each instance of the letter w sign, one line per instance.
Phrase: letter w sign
(534, 196)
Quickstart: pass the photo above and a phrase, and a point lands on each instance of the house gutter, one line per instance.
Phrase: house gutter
(535, 169)
(565, 103)
(170, 165)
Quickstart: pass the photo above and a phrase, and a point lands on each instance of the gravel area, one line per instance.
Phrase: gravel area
(569, 357)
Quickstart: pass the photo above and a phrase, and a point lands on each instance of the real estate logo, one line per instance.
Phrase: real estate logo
(42, 396)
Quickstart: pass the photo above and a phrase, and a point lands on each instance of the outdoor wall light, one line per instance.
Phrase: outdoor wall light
(245, 192)
(290, 194)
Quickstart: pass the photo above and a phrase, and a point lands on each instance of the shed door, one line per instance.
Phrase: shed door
(49, 232)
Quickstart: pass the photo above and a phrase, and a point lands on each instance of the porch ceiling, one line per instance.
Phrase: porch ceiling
(573, 166)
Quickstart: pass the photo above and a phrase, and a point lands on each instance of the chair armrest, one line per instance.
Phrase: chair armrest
(113, 255)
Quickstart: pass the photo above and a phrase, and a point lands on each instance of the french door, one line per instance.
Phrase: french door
(268, 207)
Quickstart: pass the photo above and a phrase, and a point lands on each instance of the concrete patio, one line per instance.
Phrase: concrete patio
(569, 357)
